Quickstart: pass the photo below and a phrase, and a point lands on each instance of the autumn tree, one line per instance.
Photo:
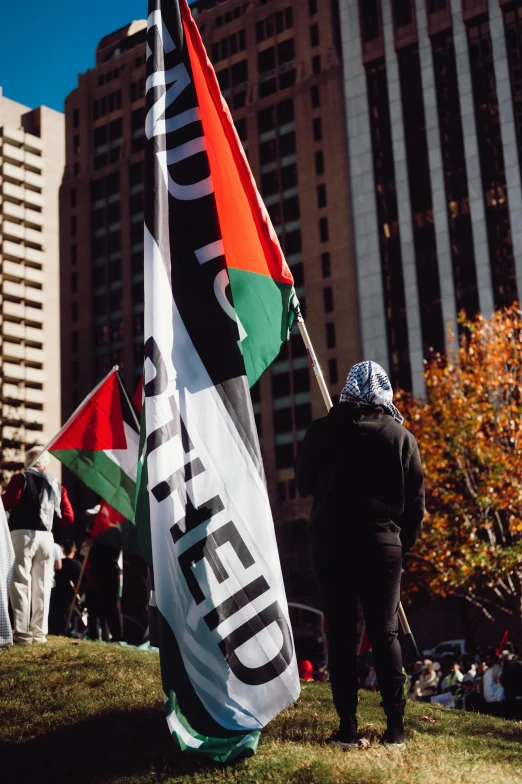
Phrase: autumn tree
(469, 432)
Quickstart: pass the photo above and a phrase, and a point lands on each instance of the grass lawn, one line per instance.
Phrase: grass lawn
(89, 712)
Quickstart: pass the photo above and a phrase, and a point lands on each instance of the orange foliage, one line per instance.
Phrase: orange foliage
(469, 431)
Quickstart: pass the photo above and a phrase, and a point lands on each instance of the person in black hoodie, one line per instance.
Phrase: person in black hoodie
(364, 471)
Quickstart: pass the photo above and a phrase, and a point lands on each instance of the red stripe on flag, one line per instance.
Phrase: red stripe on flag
(248, 236)
(98, 425)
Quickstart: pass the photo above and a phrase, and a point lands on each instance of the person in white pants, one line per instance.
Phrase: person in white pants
(32, 584)
(33, 499)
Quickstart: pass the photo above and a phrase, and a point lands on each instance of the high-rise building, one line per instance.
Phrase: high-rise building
(32, 153)
(279, 67)
(434, 122)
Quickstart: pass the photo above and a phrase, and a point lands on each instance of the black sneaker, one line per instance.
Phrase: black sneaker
(346, 742)
(394, 735)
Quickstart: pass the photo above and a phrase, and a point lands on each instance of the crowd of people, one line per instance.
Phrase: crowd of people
(485, 682)
(40, 571)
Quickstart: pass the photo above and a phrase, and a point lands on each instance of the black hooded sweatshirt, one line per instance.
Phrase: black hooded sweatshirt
(364, 471)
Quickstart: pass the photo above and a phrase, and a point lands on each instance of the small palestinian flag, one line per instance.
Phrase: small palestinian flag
(99, 443)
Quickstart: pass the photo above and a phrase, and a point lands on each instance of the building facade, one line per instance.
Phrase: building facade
(279, 67)
(32, 155)
(434, 125)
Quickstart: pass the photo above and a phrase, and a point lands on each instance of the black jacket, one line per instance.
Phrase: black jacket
(364, 470)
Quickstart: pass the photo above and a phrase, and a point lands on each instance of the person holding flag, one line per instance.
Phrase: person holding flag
(364, 471)
(34, 498)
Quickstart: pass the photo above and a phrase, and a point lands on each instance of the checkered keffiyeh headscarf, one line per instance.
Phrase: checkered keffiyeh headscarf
(368, 384)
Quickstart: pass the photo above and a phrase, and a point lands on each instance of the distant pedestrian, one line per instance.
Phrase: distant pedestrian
(492, 685)
(34, 498)
(64, 592)
(364, 471)
(7, 564)
(106, 573)
(305, 669)
(426, 685)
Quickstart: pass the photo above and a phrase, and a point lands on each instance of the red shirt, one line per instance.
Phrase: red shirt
(14, 489)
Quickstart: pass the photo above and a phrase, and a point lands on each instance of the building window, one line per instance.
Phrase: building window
(74, 254)
(492, 164)
(319, 163)
(330, 335)
(298, 275)
(323, 230)
(292, 242)
(301, 379)
(74, 340)
(73, 225)
(76, 144)
(282, 420)
(289, 17)
(370, 21)
(328, 299)
(317, 129)
(419, 181)
(76, 118)
(316, 64)
(315, 98)
(314, 35)
(437, 5)
(402, 13)
(312, 7)
(387, 216)
(303, 416)
(455, 174)
(332, 371)
(326, 266)
(284, 455)
(321, 195)
(75, 371)
(76, 169)
(74, 282)
(72, 197)
(74, 312)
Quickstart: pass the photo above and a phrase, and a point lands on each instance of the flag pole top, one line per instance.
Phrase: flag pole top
(116, 367)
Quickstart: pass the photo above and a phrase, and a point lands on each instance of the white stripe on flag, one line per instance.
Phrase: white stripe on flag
(127, 459)
(176, 726)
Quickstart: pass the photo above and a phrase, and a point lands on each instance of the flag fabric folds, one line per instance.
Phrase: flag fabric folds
(218, 298)
(99, 443)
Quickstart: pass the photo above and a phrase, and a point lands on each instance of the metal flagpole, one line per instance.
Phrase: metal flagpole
(77, 589)
(328, 402)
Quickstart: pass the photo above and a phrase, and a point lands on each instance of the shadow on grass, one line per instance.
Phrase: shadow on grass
(100, 749)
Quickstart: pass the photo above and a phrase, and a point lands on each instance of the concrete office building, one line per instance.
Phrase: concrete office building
(279, 67)
(32, 153)
(434, 125)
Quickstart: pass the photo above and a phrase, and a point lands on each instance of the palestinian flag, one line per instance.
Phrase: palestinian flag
(99, 443)
(218, 305)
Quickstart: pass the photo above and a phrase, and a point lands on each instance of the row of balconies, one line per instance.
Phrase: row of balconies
(21, 414)
(13, 270)
(18, 351)
(17, 251)
(21, 292)
(19, 173)
(11, 329)
(21, 393)
(17, 231)
(18, 194)
(21, 311)
(18, 138)
(20, 214)
(16, 373)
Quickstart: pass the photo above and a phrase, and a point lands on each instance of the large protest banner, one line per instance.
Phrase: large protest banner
(218, 298)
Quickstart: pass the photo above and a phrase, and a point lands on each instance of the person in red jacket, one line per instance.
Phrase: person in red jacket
(33, 498)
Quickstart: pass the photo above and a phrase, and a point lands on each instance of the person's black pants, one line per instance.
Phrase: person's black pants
(373, 574)
(107, 578)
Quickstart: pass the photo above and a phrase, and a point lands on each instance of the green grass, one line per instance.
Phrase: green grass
(74, 712)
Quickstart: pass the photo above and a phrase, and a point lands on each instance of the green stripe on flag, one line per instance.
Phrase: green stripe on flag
(185, 710)
(263, 307)
(103, 476)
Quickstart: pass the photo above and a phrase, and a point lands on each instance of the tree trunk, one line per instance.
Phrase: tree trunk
(515, 621)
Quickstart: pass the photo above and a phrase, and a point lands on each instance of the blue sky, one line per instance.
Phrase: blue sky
(44, 45)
